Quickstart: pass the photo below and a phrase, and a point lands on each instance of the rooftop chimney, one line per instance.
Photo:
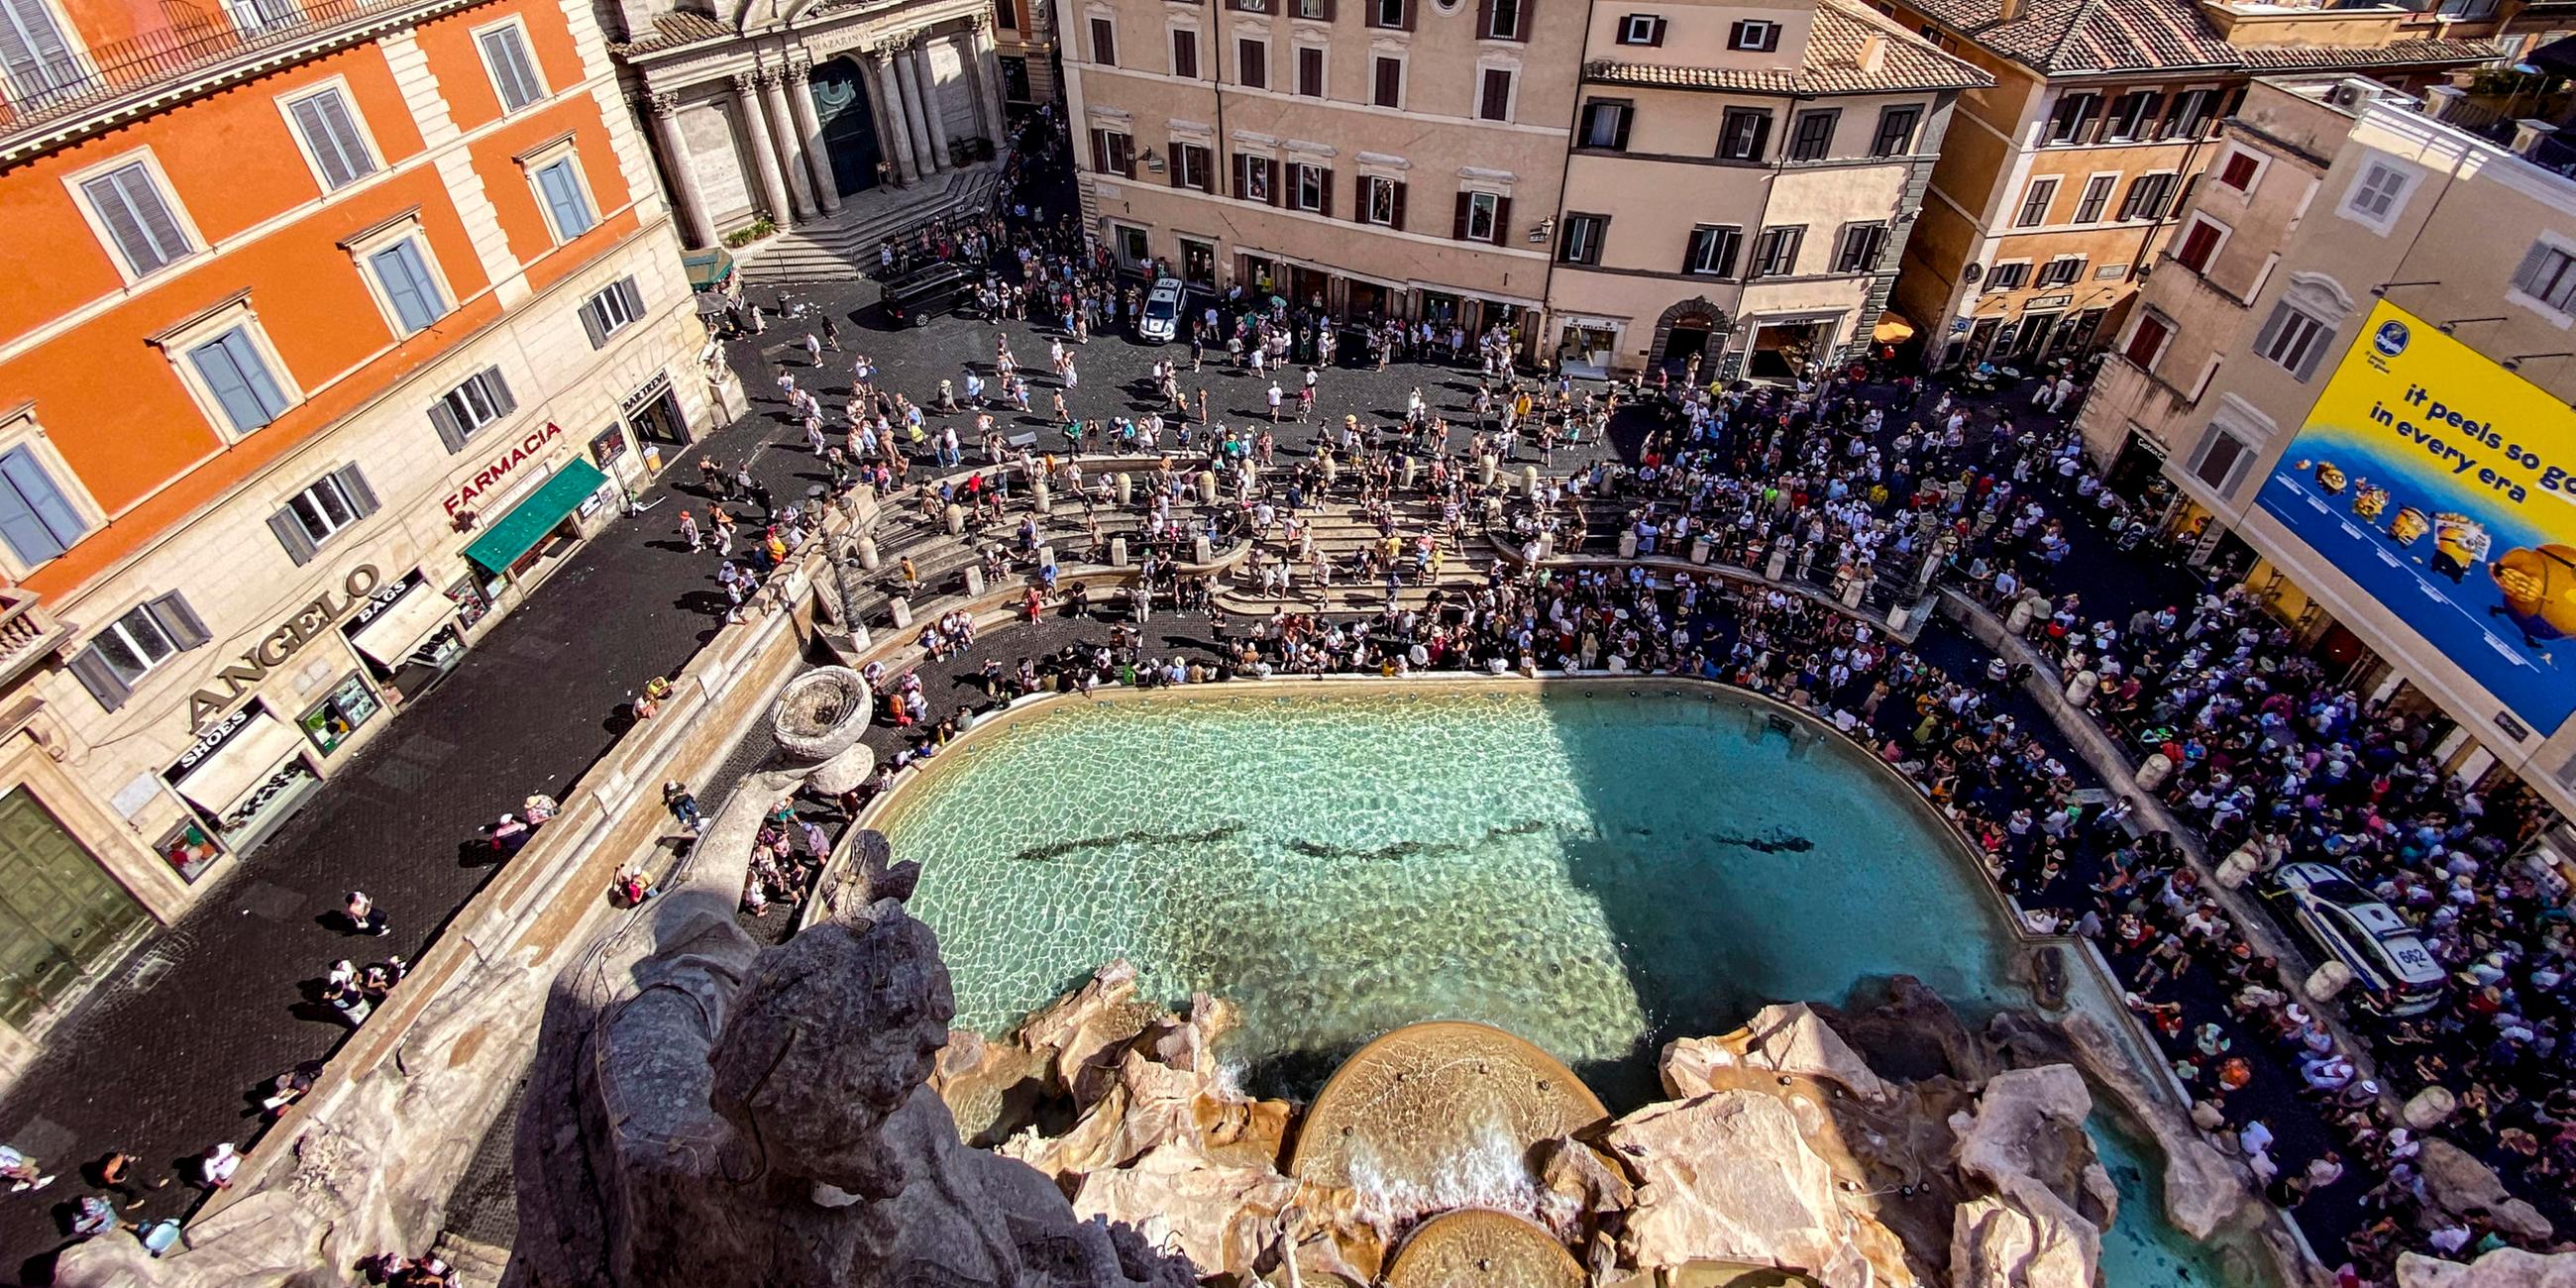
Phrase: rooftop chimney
(2011, 10)
(1873, 49)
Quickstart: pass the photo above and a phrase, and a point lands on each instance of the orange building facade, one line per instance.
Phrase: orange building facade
(325, 329)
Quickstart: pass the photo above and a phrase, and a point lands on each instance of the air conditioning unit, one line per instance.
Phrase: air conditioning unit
(1973, 272)
(2349, 94)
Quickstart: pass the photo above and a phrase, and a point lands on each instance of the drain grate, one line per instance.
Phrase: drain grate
(270, 901)
(399, 775)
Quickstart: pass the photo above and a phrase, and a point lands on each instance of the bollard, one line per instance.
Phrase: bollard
(956, 520)
(1778, 568)
(2236, 869)
(2018, 624)
(1529, 480)
(1898, 618)
(2153, 771)
(1485, 469)
(868, 557)
(900, 609)
(2329, 979)
(1853, 592)
(2079, 691)
(1118, 549)
(1046, 555)
(974, 581)
(1412, 471)
(1042, 498)
(1546, 544)
(1199, 553)
(1628, 544)
(2429, 1108)
(1699, 550)
(1207, 487)
(860, 639)
(1126, 489)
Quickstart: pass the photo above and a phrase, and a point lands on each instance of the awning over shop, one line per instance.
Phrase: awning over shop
(391, 635)
(709, 269)
(1892, 328)
(218, 782)
(527, 523)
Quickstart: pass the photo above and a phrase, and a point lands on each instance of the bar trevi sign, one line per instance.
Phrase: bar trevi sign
(272, 650)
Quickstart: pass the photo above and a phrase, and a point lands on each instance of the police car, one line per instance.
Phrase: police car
(2387, 957)
(1162, 318)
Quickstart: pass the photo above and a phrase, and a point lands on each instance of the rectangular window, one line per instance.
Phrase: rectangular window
(2375, 197)
(2097, 195)
(2187, 117)
(33, 54)
(1580, 243)
(1605, 125)
(404, 277)
(514, 74)
(239, 378)
(2548, 274)
(1319, 10)
(611, 311)
(1863, 245)
(129, 203)
(2007, 277)
(1252, 62)
(2220, 454)
(1006, 14)
(1641, 29)
(1775, 254)
(36, 518)
(1503, 19)
(320, 512)
(1185, 54)
(1397, 14)
(1252, 178)
(465, 410)
(1310, 187)
(1113, 152)
(2130, 114)
(1494, 101)
(566, 204)
(1382, 202)
(331, 135)
(1754, 35)
(2062, 270)
(1482, 217)
(1712, 250)
(1253, 6)
(251, 17)
(2035, 203)
(2294, 340)
(1104, 42)
(1895, 135)
(1388, 83)
(149, 634)
(2147, 343)
(2074, 112)
(1742, 134)
(1193, 167)
(1813, 140)
(2239, 171)
(1310, 71)
(2199, 246)
(2148, 194)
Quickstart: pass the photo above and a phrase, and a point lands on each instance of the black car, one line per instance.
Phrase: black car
(916, 297)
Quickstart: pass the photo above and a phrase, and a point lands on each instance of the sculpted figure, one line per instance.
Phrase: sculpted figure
(763, 1118)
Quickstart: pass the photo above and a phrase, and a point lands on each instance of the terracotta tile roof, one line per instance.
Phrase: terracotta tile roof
(672, 30)
(2080, 36)
(1832, 64)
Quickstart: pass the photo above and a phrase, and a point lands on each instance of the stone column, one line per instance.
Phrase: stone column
(695, 230)
(929, 135)
(809, 127)
(986, 67)
(764, 157)
(894, 135)
(791, 150)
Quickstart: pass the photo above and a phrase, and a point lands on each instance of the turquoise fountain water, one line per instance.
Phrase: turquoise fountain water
(1596, 871)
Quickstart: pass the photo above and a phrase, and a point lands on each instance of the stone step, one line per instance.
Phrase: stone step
(477, 1264)
(845, 248)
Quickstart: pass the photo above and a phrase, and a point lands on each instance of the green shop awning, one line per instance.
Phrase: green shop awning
(530, 520)
(708, 269)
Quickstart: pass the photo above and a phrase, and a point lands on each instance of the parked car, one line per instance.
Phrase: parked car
(2388, 959)
(1161, 321)
(912, 299)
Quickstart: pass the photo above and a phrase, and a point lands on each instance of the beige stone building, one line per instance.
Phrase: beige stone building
(1388, 157)
(1743, 181)
(2057, 185)
(2400, 297)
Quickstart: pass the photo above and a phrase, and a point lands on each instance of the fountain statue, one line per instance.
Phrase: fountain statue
(762, 1117)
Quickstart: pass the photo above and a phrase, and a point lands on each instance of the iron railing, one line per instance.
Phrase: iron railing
(192, 42)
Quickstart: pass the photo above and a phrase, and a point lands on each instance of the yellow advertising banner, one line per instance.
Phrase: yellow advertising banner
(2445, 486)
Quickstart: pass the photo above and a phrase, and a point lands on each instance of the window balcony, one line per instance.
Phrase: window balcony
(28, 634)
